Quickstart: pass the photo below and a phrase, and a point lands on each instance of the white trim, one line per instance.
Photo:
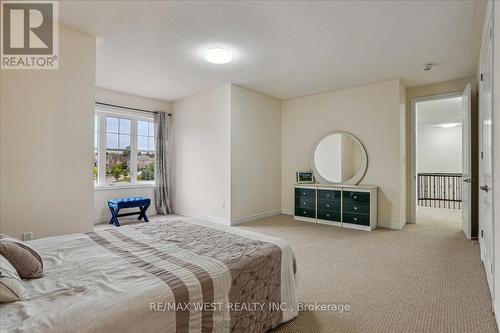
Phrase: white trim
(255, 217)
(334, 223)
(394, 226)
(119, 112)
(356, 226)
(413, 150)
(195, 215)
(286, 211)
(467, 159)
(491, 267)
(106, 219)
(134, 117)
(305, 219)
(133, 148)
(496, 314)
(122, 187)
(101, 151)
(494, 105)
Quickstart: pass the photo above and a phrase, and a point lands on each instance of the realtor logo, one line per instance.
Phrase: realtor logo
(29, 33)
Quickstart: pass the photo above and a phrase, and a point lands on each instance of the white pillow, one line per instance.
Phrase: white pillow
(11, 285)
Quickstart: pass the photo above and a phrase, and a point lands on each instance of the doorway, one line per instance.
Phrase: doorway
(441, 161)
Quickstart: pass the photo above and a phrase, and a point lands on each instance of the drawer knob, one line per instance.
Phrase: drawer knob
(328, 195)
(355, 207)
(327, 205)
(305, 203)
(355, 196)
(304, 193)
(327, 215)
(355, 219)
(304, 212)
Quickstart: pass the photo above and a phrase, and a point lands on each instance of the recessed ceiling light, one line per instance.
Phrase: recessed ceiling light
(218, 55)
(449, 125)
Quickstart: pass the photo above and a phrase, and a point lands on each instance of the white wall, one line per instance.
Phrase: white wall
(227, 155)
(439, 149)
(255, 155)
(201, 170)
(46, 143)
(371, 113)
(101, 196)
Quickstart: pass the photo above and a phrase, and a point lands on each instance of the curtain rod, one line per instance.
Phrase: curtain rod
(126, 107)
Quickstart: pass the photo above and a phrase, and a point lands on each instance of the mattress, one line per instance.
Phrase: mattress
(164, 276)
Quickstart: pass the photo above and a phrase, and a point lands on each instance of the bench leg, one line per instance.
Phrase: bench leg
(143, 213)
(112, 221)
(114, 217)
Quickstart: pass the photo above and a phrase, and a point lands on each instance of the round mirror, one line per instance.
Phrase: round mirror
(339, 158)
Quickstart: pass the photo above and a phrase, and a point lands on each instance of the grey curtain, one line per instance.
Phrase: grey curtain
(162, 169)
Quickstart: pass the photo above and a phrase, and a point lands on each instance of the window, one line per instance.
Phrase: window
(145, 151)
(118, 150)
(95, 169)
(124, 152)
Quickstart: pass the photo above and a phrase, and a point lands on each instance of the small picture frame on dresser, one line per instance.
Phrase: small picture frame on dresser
(304, 177)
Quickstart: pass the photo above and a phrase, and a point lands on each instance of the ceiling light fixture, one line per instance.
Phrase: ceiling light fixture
(218, 55)
(449, 125)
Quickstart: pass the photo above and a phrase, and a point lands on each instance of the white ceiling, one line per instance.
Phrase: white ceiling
(440, 111)
(285, 49)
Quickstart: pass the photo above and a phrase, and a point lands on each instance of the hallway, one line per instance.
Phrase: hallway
(447, 218)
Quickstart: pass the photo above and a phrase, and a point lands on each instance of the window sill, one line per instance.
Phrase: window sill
(122, 187)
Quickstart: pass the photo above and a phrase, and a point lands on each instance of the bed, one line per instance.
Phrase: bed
(164, 276)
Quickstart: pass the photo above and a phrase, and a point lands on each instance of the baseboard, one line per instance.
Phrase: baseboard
(496, 315)
(255, 217)
(128, 218)
(202, 216)
(107, 215)
(99, 221)
(286, 211)
(394, 226)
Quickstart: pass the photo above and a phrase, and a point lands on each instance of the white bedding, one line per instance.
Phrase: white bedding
(112, 280)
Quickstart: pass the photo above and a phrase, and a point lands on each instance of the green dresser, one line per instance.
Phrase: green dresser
(329, 205)
(356, 207)
(305, 202)
(338, 205)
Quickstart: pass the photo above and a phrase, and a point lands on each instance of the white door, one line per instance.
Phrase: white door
(486, 160)
(466, 161)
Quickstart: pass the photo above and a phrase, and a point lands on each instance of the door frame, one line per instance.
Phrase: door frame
(413, 146)
(491, 270)
(467, 187)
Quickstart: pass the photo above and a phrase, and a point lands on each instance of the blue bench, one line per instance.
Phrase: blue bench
(116, 204)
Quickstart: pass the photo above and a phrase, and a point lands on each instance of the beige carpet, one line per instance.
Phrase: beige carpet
(424, 278)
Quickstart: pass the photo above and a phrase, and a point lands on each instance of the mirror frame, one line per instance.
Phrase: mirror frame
(354, 180)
